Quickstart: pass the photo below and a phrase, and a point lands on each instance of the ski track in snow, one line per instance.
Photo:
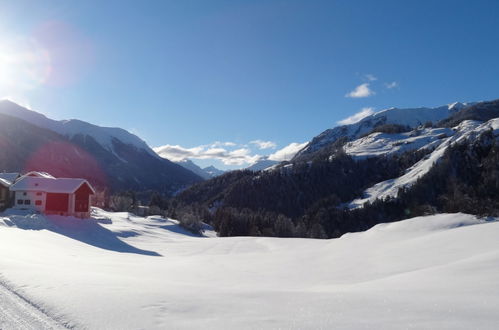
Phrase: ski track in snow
(17, 312)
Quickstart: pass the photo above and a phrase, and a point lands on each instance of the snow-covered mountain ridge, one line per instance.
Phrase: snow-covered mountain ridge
(411, 117)
(69, 128)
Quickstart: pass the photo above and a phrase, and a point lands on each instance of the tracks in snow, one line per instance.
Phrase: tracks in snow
(17, 312)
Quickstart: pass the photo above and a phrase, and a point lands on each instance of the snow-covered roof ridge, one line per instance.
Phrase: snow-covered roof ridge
(8, 178)
(5, 183)
(103, 135)
(47, 184)
(39, 174)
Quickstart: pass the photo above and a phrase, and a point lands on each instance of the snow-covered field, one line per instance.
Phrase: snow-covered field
(124, 272)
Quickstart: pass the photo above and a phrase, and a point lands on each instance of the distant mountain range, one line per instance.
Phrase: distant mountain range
(212, 171)
(206, 173)
(110, 158)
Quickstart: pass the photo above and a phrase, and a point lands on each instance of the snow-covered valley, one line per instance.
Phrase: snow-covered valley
(118, 271)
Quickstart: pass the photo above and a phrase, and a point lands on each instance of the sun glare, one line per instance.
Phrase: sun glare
(24, 64)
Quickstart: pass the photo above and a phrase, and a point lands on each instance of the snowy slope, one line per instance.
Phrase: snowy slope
(411, 117)
(122, 272)
(466, 131)
(378, 144)
(103, 135)
(262, 165)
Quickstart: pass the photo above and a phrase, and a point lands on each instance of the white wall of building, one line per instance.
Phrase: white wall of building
(32, 197)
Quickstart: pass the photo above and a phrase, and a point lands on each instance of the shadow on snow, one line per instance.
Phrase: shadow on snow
(87, 231)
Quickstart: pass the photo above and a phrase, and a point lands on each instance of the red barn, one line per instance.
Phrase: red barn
(49, 195)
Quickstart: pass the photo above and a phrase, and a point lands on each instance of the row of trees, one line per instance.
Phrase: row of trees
(127, 201)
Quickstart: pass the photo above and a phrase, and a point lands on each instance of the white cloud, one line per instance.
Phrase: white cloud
(222, 144)
(370, 77)
(360, 91)
(177, 153)
(287, 152)
(264, 144)
(232, 154)
(357, 117)
(391, 85)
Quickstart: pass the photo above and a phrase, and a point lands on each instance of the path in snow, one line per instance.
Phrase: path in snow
(16, 312)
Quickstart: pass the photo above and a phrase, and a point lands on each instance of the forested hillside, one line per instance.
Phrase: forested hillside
(311, 198)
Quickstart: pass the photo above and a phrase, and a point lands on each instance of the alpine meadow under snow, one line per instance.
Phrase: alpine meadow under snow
(117, 270)
(249, 165)
(120, 271)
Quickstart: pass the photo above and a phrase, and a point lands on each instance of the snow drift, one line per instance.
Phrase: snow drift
(429, 272)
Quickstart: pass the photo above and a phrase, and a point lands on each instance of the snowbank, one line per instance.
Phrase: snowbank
(428, 272)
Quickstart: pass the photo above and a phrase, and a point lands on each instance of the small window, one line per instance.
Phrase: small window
(38, 202)
(27, 202)
(24, 194)
(38, 193)
(20, 201)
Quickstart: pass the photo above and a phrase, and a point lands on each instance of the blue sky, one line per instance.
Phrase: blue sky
(216, 75)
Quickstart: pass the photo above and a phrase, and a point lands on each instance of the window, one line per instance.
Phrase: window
(38, 193)
(24, 194)
(20, 201)
(27, 202)
(38, 202)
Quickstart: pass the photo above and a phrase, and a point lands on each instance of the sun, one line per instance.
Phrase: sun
(24, 64)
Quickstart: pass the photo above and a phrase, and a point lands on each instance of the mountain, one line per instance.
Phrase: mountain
(481, 111)
(212, 171)
(189, 164)
(206, 173)
(376, 172)
(70, 128)
(408, 117)
(438, 140)
(110, 158)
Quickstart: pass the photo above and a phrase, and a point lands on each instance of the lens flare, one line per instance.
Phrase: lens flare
(24, 64)
(66, 160)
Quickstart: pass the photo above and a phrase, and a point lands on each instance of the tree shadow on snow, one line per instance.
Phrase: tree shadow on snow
(87, 231)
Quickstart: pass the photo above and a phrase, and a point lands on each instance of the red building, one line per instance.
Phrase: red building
(49, 195)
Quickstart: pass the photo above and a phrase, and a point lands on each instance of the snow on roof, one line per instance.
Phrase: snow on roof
(50, 185)
(8, 178)
(4, 183)
(39, 174)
